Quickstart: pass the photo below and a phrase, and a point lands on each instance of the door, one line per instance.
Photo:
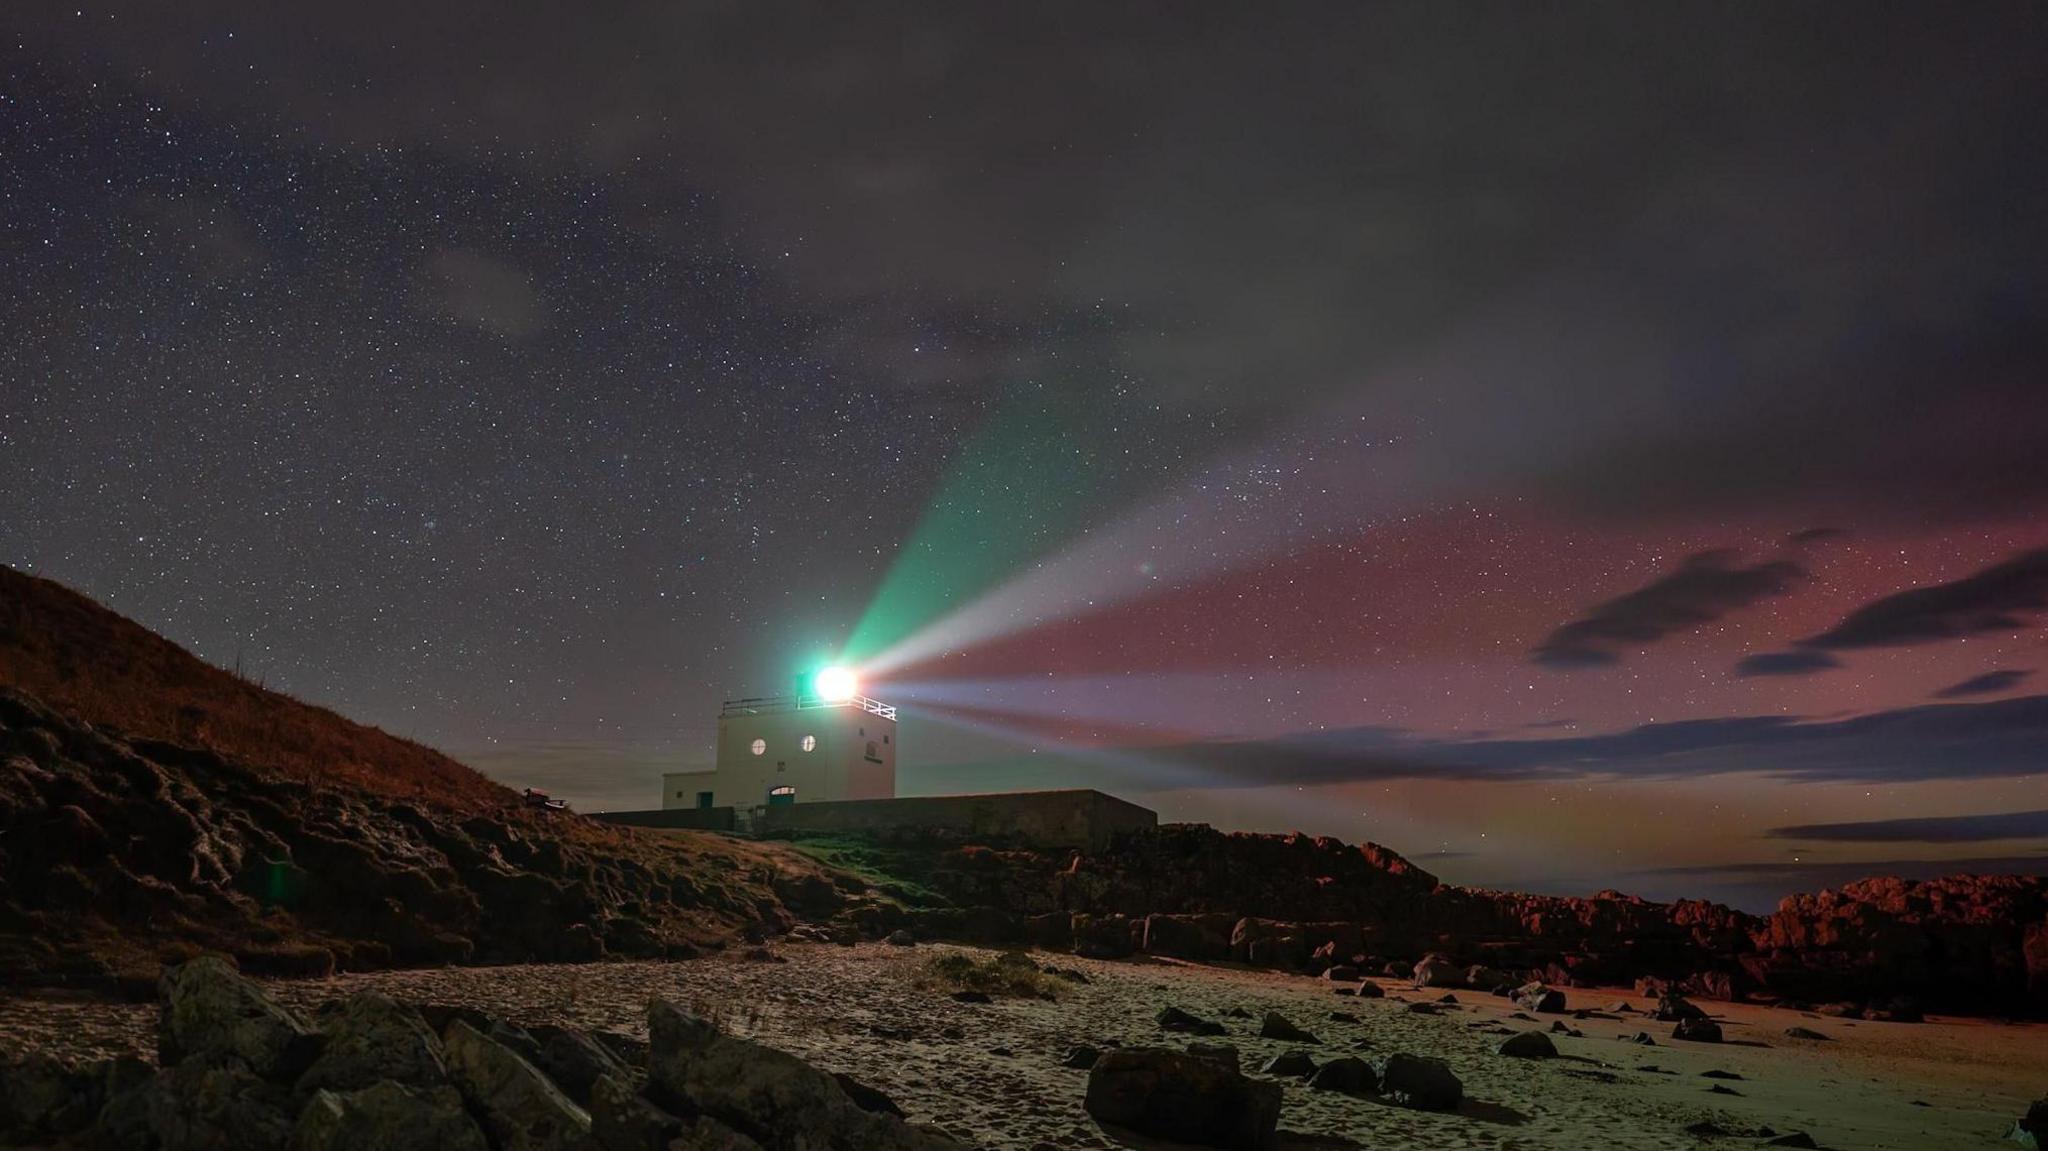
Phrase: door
(781, 796)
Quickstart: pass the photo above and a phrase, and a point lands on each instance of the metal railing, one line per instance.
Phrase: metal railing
(768, 705)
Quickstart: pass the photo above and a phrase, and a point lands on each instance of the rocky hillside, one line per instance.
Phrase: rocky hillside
(1966, 943)
(152, 806)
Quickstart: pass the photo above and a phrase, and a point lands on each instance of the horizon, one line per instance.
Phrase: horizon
(1573, 453)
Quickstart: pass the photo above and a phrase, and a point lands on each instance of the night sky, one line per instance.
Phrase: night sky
(1577, 446)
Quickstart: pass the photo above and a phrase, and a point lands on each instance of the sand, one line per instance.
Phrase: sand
(990, 1073)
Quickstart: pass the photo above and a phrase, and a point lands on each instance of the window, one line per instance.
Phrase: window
(760, 747)
(874, 756)
(810, 743)
(885, 739)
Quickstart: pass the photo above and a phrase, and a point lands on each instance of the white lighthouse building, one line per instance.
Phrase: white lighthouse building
(825, 742)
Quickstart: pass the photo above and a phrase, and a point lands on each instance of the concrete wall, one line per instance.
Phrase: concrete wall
(851, 754)
(1080, 818)
(701, 818)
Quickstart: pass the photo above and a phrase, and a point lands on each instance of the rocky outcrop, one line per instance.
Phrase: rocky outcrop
(1974, 942)
(152, 852)
(773, 1098)
(379, 1079)
(1185, 1098)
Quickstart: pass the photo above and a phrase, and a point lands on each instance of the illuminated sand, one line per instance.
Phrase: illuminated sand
(855, 1010)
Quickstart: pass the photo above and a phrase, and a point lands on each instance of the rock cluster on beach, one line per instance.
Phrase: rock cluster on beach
(238, 1070)
(1315, 904)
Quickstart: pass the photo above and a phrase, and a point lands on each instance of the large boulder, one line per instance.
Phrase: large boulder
(1348, 1075)
(522, 1108)
(387, 1116)
(1174, 1019)
(1537, 997)
(1673, 1007)
(770, 1096)
(1199, 937)
(1424, 1084)
(1697, 1030)
(574, 1060)
(2032, 1129)
(210, 1012)
(621, 1119)
(197, 1106)
(1438, 971)
(1527, 1045)
(371, 1039)
(1172, 1095)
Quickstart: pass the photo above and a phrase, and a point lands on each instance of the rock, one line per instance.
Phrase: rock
(621, 1119)
(196, 1106)
(901, 937)
(1347, 1075)
(1792, 1139)
(1423, 1009)
(1483, 977)
(1903, 1009)
(1198, 937)
(387, 1116)
(971, 997)
(211, 1012)
(703, 1133)
(1175, 1019)
(1697, 1031)
(1803, 1033)
(1437, 971)
(42, 1098)
(1424, 1084)
(1081, 1057)
(1717, 1073)
(1172, 1095)
(1527, 1045)
(371, 1039)
(769, 1096)
(1277, 1026)
(521, 1108)
(1673, 1007)
(1717, 1089)
(868, 1098)
(1537, 997)
(1343, 1017)
(1341, 973)
(1367, 989)
(1292, 1064)
(574, 1060)
(2032, 1128)
(1839, 1010)
(1447, 997)
(1643, 1039)
(1223, 1053)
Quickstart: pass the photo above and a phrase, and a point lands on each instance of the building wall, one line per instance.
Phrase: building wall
(1081, 818)
(704, 819)
(853, 756)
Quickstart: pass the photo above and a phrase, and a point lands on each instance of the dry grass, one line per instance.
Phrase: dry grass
(1011, 974)
(81, 658)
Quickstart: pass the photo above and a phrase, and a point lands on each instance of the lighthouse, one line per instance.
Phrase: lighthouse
(824, 741)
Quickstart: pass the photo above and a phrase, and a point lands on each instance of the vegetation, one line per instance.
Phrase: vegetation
(1011, 974)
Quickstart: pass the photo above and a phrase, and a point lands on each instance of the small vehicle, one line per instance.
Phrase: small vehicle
(537, 798)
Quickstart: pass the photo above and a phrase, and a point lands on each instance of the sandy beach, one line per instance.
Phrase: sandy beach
(991, 1074)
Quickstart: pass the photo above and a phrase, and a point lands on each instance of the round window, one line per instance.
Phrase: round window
(760, 747)
(810, 743)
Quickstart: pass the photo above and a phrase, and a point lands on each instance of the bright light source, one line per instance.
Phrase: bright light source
(836, 683)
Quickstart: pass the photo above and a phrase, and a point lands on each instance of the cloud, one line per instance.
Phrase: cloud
(1999, 598)
(1930, 829)
(1786, 663)
(1757, 887)
(1990, 683)
(1955, 741)
(483, 292)
(1592, 249)
(1706, 587)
